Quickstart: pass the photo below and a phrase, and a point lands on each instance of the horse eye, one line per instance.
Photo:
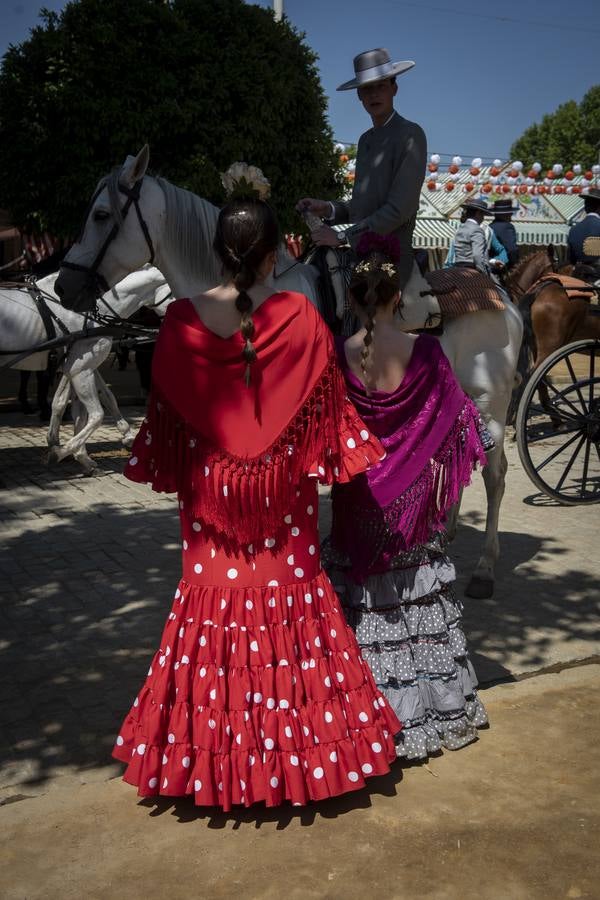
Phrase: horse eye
(100, 215)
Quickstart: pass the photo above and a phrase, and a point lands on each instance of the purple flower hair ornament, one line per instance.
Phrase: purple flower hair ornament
(386, 244)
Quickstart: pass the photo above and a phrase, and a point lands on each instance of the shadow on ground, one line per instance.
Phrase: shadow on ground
(90, 589)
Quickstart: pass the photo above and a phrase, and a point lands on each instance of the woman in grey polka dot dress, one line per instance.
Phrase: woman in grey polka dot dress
(386, 554)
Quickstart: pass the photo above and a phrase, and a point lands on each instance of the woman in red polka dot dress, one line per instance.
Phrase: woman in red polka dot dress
(258, 691)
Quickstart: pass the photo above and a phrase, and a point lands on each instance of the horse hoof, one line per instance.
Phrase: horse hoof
(480, 588)
(128, 440)
(53, 455)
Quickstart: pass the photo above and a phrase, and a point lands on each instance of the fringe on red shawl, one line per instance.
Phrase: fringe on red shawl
(245, 498)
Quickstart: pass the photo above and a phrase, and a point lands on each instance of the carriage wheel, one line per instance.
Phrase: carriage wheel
(559, 437)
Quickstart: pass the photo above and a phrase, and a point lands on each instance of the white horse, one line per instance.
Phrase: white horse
(175, 229)
(21, 327)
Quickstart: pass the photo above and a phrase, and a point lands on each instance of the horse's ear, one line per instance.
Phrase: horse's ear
(134, 167)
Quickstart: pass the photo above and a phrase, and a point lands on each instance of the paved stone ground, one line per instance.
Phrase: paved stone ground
(88, 567)
(87, 570)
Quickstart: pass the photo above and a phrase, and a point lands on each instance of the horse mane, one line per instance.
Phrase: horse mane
(522, 264)
(189, 229)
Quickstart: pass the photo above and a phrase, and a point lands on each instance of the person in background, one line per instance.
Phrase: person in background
(505, 231)
(589, 226)
(390, 165)
(470, 245)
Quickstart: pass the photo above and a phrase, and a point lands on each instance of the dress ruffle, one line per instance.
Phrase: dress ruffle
(256, 694)
(407, 623)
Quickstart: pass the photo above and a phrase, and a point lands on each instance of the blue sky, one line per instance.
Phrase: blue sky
(484, 72)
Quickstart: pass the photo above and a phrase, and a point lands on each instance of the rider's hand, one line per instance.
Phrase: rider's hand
(318, 207)
(326, 237)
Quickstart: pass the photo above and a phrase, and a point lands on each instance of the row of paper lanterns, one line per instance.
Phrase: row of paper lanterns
(487, 187)
(513, 172)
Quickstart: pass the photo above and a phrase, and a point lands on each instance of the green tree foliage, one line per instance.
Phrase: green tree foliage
(204, 82)
(569, 135)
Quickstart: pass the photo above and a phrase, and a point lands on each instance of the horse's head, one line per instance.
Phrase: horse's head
(116, 237)
(529, 270)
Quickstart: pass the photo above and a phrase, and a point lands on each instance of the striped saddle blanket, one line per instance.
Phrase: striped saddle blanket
(461, 290)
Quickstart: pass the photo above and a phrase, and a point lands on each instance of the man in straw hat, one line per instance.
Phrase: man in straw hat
(390, 165)
(470, 245)
(588, 227)
(503, 228)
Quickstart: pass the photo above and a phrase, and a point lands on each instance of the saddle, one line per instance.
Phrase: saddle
(461, 290)
(575, 288)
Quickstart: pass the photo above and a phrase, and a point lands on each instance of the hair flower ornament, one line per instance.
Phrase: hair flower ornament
(386, 244)
(244, 182)
(372, 265)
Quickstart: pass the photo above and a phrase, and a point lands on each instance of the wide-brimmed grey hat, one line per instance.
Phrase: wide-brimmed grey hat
(372, 66)
(476, 203)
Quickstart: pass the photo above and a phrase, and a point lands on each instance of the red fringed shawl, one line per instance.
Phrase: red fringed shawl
(237, 453)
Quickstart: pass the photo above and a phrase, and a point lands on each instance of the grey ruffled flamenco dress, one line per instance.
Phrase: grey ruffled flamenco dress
(408, 625)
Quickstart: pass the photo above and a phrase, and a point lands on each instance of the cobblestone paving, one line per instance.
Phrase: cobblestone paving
(87, 566)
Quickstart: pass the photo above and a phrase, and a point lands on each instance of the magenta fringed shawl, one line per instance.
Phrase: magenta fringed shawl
(430, 431)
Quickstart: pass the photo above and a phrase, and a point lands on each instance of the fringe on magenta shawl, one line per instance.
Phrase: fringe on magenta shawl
(424, 506)
(240, 497)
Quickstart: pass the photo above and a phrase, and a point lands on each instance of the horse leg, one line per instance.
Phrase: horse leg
(481, 584)
(555, 320)
(110, 404)
(59, 404)
(84, 385)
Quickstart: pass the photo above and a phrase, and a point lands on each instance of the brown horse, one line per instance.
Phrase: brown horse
(550, 318)
(553, 319)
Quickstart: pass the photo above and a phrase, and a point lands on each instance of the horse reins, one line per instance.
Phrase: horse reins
(133, 197)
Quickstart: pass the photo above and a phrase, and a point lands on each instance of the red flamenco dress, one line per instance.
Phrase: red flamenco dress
(258, 691)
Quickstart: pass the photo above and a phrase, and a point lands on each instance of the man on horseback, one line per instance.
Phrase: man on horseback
(504, 229)
(390, 165)
(588, 227)
(470, 245)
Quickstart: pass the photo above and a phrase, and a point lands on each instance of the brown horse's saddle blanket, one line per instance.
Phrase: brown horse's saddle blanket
(461, 290)
(574, 288)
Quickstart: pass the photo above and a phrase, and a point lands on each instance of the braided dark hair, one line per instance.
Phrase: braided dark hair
(246, 232)
(372, 287)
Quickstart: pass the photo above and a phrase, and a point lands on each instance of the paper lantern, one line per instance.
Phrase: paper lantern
(494, 170)
(518, 165)
(513, 173)
(532, 174)
(474, 170)
(576, 189)
(498, 163)
(549, 174)
(506, 188)
(476, 162)
(431, 185)
(589, 175)
(541, 189)
(469, 186)
(453, 169)
(344, 158)
(569, 175)
(449, 185)
(537, 167)
(486, 188)
(435, 159)
(577, 169)
(457, 160)
(434, 176)
(432, 167)
(596, 169)
(557, 168)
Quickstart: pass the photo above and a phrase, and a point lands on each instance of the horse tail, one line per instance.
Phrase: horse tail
(527, 354)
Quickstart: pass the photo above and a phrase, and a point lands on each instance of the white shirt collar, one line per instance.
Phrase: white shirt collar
(387, 121)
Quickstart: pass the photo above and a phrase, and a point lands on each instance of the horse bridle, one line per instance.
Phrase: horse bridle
(133, 197)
